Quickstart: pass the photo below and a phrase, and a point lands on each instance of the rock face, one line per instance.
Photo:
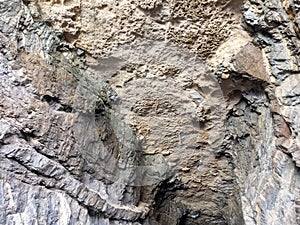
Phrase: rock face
(149, 112)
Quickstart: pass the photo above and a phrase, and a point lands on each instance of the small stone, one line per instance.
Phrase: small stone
(196, 96)
(166, 152)
(225, 76)
(80, 52)
(185, 169)
(150, 152)
(272, 80)
(172, 164)
(141, 137)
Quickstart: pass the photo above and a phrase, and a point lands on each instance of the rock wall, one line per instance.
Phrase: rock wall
(149, 112)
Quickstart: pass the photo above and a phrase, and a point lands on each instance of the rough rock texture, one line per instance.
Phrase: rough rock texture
(149, 112)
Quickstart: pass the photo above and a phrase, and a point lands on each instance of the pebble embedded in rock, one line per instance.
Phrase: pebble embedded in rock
(185, 169)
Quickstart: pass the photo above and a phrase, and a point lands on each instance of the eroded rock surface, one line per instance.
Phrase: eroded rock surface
(149, 112)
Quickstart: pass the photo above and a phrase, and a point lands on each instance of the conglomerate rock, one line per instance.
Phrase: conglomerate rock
(149, 112)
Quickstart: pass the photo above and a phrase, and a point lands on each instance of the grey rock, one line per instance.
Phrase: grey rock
(100, 125)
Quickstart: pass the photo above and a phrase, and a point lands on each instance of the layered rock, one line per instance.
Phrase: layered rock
(149, 112)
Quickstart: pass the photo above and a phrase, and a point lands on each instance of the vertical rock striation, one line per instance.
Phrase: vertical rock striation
(149, 112)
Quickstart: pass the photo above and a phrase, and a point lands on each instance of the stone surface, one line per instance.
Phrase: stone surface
(149, 112)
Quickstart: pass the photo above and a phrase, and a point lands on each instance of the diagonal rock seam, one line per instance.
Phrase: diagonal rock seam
(199, 141)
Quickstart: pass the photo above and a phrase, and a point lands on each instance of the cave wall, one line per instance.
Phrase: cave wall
(149, 112)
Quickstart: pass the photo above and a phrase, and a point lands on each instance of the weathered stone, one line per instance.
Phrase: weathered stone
(249, 61)
(149, 112)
